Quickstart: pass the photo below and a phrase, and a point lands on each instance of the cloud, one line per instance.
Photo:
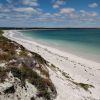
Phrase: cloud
(58, 3)
(67, 10)
(18, 12)
(33, 3)
(28, 9)
(89, 14)
(56, 14)
(55, 6)
(93, 5)
(30, 2)
(4, 9)
(93, 14)
(48, 19)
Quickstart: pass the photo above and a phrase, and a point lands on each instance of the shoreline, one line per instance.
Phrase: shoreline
(65, 48)
(80, 70)
(56, 51)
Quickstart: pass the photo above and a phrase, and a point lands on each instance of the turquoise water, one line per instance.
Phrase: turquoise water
(81, 42)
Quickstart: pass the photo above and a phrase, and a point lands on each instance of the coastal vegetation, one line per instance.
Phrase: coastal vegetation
(23, 65)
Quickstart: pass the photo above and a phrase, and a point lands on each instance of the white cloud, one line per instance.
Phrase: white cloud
(82, 11)
(93, 14)
(89, 14)
(48, 19)
(6, 10)
(55, 6)
(28, 9)
(56, 14)
(47, 14)
(30, 2)
(93, 5)
(58, 3)
(67, 10)
(74, 15)
(24, 2)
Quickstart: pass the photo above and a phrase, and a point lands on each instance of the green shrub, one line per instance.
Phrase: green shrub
(39, 59)
(23, 53)
(84, 86)
(42, 84)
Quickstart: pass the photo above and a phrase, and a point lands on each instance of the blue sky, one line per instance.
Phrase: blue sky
(50, 13)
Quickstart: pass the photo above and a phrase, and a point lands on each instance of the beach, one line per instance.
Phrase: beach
(79, 70)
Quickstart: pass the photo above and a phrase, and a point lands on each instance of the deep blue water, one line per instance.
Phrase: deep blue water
(82, 42)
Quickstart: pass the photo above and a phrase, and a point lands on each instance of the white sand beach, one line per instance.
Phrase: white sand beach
(69, 70)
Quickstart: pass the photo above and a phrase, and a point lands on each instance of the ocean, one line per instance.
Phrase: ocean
(81, 42)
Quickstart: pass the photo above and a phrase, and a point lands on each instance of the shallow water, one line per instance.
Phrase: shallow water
(81, 42)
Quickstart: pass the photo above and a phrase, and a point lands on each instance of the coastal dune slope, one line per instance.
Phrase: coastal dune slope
(23, 74)
(74, 78)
